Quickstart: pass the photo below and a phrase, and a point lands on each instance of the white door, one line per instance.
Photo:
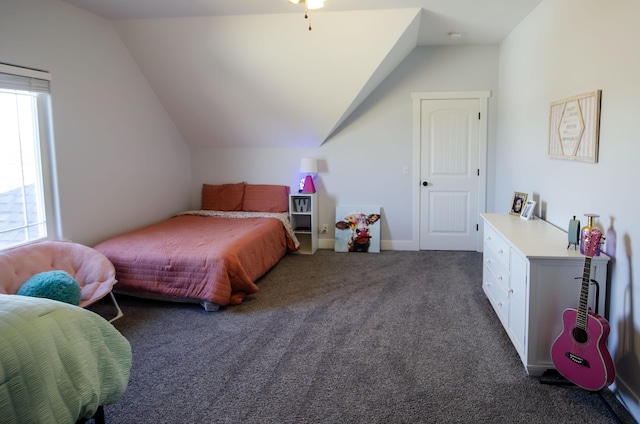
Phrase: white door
(449, 173)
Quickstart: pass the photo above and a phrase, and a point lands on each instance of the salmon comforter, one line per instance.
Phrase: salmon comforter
(208, 257)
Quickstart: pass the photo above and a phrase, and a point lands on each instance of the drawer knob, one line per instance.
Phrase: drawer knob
(501, 251)
(500, 277)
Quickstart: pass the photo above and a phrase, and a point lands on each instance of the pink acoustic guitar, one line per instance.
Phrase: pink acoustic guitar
(580, 353)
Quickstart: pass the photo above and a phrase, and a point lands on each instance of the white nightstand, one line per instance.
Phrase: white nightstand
(303, 213)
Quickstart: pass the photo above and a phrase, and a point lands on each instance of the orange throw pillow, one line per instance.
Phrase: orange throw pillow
(222, 197)
(265, 198)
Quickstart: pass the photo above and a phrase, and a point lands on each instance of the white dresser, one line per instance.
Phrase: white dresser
(530, 278)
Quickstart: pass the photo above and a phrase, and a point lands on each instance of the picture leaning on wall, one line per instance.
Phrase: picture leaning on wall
(357, 229)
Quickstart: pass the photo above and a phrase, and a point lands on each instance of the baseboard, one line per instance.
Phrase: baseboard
(325, 243)
(627, 396)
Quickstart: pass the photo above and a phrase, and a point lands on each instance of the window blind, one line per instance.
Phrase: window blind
(18, 78)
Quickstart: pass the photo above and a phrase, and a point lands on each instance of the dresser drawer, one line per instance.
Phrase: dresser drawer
(497, 295)
(495, 244)
(497, 269)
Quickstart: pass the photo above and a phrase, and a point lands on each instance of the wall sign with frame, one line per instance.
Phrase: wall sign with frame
(574, 127)
(517, 202)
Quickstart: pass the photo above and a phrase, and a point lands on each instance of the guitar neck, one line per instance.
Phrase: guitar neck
(583, 304)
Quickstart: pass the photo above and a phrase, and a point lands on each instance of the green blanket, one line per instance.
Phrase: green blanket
(58, 362)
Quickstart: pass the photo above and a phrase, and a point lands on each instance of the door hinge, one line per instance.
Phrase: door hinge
(477, 227)
(478, 115)
(478, 172)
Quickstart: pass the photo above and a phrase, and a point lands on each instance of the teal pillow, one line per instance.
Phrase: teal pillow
(56, 285)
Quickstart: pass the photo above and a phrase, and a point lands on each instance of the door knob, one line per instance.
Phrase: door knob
(425, 183)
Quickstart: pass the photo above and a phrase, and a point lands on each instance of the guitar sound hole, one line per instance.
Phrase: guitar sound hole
(580, 335)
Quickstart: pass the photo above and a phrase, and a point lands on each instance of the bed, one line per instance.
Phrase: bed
(212, 256)
(59, 363)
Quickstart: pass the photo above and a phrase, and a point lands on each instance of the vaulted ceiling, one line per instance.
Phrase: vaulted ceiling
(250, 73)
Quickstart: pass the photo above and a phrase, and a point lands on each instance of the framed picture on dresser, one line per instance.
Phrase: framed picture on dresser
(527, 212)
(517, 203)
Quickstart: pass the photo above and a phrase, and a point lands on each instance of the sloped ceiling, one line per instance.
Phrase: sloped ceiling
(265, 80)
(231, 78)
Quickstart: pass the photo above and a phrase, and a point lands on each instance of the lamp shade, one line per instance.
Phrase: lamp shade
(311, 4)
(315, 4)
(308, 166)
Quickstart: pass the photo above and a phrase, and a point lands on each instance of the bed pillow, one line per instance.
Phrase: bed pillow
(57, 285)
(265, 198)
(222, 197)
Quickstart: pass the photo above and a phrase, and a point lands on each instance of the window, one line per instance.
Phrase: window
(28, 209)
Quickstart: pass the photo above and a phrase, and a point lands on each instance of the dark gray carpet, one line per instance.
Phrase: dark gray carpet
(394, 337)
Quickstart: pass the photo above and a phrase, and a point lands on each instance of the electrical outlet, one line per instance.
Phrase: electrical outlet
(324, 229)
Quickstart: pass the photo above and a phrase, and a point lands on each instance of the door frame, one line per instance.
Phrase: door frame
(483, 100)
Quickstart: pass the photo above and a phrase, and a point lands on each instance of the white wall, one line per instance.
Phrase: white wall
(121, 162)
(363, 162)
(565, 48)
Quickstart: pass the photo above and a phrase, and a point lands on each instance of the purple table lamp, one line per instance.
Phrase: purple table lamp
(308, 166)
